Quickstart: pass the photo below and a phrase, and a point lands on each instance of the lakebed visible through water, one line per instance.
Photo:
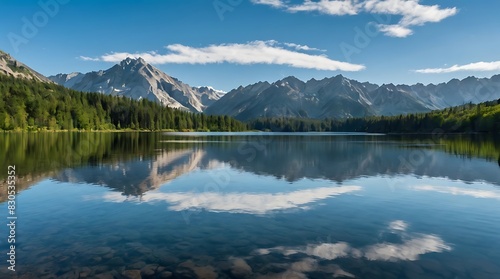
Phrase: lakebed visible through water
(252, 205)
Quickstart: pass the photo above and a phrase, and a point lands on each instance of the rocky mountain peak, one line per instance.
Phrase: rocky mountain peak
(136, 79)
(291, 82)
(470, 79)
(132, 62)
(338, 78)
(389, 86)
(291, 79)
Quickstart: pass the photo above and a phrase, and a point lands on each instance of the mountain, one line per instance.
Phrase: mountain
(148, 173)
(136, 79)
(290, 97)
(67, 80)
(340, 97)
(389, 99)
(12, 67)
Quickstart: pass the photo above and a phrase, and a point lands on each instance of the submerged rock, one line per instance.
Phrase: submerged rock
(240, 269)
(305, 265)
(149, 270)
(184, 273)
(70, 274)
(137, 265)
(107, 275)
(101, 250)
(101, 269)
(165, 274)
(85, 272)
(283, 275)
(116, 261)
(201, 272)
(95, 260)
(132, 274)
(108, 256)
(337, 271)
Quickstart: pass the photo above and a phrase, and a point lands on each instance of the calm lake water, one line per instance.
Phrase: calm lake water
(252, 205)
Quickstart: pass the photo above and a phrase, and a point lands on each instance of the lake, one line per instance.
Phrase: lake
(252, 205)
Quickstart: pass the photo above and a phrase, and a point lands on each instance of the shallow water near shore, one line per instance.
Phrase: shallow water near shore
(253, 205)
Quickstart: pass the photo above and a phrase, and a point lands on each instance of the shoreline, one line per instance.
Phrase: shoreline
(205, 131)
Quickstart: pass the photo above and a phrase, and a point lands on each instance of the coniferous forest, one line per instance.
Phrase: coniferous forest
(27, 105)
(468, 118)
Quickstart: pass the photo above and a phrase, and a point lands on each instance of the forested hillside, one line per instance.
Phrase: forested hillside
(484, 117)
(32, 105)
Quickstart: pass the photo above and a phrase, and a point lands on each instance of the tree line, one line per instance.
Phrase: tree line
(468, 118)
(31, 105)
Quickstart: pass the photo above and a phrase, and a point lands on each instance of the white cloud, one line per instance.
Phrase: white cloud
(330, 7)
(476, 193)
(249, 203)
(85, 58)
(395, 30)
(273, 3)
(303, 47)
(256, 52)
(411, 11)
(478, 67)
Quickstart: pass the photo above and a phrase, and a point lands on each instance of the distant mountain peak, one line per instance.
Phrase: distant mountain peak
(453, 81)
(133, 62)
(291, 79)
(339, 78)
(291, 82)
(204, 88)
(469, 79)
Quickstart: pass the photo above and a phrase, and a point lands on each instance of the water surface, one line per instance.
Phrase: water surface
(254, 205)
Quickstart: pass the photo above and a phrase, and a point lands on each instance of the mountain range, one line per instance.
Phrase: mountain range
(334, 97)
(340, 97)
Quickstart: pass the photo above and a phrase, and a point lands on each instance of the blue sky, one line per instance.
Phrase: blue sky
(227, 43)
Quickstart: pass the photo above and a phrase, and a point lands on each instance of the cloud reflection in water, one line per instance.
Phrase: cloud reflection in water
(411, 247)
(233, 202)
(476, 193)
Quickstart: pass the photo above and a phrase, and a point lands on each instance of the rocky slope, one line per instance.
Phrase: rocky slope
(12, 67)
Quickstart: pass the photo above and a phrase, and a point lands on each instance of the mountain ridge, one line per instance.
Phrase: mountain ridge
(341, 97)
